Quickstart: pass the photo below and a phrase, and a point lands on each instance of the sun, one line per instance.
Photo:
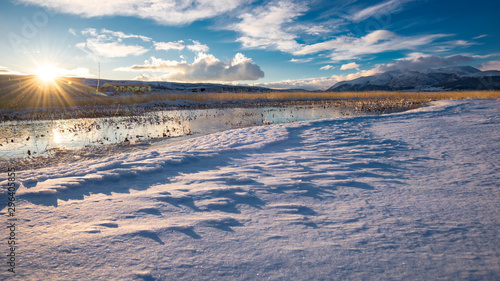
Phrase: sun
(47, 73)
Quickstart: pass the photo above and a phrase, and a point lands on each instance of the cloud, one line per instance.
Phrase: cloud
(491, 65)
(349, 66)
(59, 71)
(421, 62)
(5, 71)
(264, 27)
(327, 67)
(195, 47)
(110, 50)
(274, 26)
(121, 35)
(386, 7)
(310, 84)
(480, 36)
(301, 60)
(311, 29)
(198, 47)
(178, 45)
(461, 43)
(414, 61)
(167, 12)
(107, 43)
(204, 68)
(77, 72)
(379, 41)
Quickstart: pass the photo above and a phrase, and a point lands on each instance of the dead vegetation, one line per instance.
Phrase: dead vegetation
(59, 99)
(26, 98)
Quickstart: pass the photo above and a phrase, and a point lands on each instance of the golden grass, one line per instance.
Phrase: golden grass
(214, 97)
(86, 99)
(418, 96)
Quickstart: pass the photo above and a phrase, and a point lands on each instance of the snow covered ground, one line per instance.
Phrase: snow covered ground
(407, 196)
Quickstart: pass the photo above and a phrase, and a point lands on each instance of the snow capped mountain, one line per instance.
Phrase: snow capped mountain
(458, 70)
(448, 78)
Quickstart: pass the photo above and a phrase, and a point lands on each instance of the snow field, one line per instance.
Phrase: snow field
(411, 196)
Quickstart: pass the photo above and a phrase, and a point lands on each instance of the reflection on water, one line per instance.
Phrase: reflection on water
(23, 138)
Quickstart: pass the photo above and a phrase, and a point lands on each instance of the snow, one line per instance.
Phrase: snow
(458, 70)
(448, 78)
(406, 196)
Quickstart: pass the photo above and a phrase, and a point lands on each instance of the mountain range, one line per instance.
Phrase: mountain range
(456, 78)
(192, 87)
(441, 79)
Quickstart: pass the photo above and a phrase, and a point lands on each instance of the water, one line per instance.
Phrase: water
(23, 138)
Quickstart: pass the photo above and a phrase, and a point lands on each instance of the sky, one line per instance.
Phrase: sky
(277, 44)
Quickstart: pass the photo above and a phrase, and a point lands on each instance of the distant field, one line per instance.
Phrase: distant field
(417, 96)
(92, 100)
(71, 92)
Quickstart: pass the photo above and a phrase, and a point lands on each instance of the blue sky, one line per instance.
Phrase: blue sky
(280, 44)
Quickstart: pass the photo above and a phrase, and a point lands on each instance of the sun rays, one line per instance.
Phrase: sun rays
(47, 73)
(45, 89)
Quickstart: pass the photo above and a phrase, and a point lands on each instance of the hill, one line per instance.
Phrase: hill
(442, 79)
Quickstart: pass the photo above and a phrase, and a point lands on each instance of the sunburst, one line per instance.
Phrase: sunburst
(47, 73)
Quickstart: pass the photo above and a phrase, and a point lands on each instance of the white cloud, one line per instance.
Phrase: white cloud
(107, 43)
(195, 47)
(386, 7)
(4, 70)
(379, 41)
(327, 67)
(178, 45)
(310, 84)
(480, 36)
(349, 66)
(198, 47)
(204, 68)
(59, 71)
(121, 35)
(491, 65)
(423, 62)
(462, 43)
(168, 12)
(111, 50)
(481, 56)
(318, 83)
(414, 55)
(264, 27)
(418, 62)
(274, 27)
(301, 60)
(77, 72)
(311, 29)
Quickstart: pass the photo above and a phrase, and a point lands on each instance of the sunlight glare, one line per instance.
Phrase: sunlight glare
(57, 136)
(47, 73)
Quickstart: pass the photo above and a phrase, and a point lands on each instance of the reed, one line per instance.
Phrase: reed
(63, 101)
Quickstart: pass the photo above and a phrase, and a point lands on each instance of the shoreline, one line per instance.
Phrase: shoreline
(361, 105)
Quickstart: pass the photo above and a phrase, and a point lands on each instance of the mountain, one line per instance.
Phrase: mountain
(193, 87)
(441, 79)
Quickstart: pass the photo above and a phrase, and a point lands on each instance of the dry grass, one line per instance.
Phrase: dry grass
(90, 105)
(214, 97)
(66, 94)
(417, 96)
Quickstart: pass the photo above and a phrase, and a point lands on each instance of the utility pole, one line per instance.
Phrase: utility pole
(98, 78)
